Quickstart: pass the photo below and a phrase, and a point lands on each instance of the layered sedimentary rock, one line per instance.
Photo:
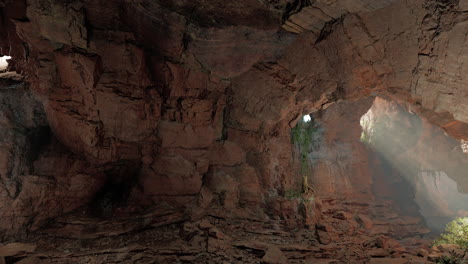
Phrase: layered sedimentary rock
(173, 109)
(314, 16)
(40, 177)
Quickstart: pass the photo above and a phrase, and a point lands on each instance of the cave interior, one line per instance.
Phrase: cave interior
(253, 131)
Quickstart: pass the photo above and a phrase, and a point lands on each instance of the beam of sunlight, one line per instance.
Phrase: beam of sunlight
(438, 198)
(431, 162)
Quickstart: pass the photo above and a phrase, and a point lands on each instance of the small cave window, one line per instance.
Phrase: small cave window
(307, 119)
(4, 62)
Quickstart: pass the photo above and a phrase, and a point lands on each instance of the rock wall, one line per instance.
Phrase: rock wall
(190, 104)
(40, 177)
(340, 163)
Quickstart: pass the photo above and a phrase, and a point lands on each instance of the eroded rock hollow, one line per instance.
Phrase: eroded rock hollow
(163, 131)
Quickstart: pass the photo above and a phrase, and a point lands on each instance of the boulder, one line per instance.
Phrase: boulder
(274, 255)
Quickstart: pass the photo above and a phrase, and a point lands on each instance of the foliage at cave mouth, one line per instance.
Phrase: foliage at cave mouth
(306, 137)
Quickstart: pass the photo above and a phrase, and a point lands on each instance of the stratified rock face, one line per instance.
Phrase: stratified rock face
(138, 94)
(40, 178)
(315, 15)
(189, 104)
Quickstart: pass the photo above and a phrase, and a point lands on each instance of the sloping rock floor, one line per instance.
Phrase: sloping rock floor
(345, 234)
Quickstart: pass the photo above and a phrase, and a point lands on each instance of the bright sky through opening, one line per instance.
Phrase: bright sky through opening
(3, 62)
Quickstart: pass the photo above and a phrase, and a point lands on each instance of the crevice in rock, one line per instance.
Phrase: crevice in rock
(294, 7)
(115, 192)
(329, 27)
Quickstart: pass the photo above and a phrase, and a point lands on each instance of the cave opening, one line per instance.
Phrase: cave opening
(115, 192)
(4, 63)
(415, 164)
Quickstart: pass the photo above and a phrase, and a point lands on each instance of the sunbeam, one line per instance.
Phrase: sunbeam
(427, 159)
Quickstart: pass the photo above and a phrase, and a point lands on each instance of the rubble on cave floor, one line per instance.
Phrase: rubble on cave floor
(345, 234)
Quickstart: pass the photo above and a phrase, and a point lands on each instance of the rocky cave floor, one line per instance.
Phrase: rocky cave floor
(343, 236)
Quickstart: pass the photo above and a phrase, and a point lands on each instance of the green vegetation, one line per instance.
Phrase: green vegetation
(453, 259)
(295, 194)
(306, 137)
(456, 232)
(292, 194)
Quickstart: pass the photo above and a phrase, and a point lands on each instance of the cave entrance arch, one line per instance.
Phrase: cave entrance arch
(415, 163)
